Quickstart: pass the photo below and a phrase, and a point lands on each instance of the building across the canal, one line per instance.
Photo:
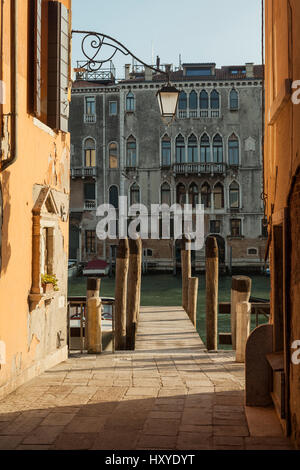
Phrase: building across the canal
(210, 153)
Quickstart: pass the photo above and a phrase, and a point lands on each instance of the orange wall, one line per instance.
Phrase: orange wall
(282, 160)
(42, 159)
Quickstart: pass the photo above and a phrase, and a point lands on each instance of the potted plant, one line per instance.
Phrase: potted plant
(49, 283)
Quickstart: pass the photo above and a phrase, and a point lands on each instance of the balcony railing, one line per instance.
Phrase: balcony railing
(90, 118)
(87, 172)
(196, 113)
(199, 168)
(90, 204)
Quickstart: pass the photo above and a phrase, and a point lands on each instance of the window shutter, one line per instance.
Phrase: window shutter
(58, 66)
(37, 56)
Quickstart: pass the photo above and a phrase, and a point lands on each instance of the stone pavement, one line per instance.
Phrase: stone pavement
(168, 394)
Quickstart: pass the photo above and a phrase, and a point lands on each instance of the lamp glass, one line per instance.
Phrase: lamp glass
(167, 100)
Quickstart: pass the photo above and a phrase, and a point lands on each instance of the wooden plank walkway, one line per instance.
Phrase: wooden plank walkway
(168, 394)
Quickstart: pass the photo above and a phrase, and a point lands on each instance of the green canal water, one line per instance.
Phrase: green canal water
(165, 290)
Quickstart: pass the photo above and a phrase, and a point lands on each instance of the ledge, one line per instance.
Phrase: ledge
(37, 299)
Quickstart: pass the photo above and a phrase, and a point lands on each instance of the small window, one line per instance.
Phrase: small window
(89, 191)
(218, 149)
(192, 149)
(193, 195)
(264, 228)
(114, 197)
(90, 241)
(234, 100)
(215, 226)
(180, 149)
(252, 251)
(206, 195)
(89, 153)
(90, 105)
(130, 102)
(135, 194)
(149, 253)
(234, 195)
(166, 194)
(131, 152)
(180, 194)
(233, 150)
(113, 156)
(205, 149)
(203, 100)
(113, 108)
(218, 196)
(182, 102)
(235, 225)
(193, 100)
(214, 100)
(166, 151)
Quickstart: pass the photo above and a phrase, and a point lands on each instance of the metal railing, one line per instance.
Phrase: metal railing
(90, 204)
(90, 118)
(198, 168)
(84, 172)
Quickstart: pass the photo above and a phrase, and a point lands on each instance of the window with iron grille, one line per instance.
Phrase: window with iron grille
(90, 241)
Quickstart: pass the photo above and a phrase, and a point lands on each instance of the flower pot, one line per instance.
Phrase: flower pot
(48, 288)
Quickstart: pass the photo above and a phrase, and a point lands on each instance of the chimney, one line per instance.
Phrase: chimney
(148, 74)
(157, 62)
(127, 71)
(250, 70)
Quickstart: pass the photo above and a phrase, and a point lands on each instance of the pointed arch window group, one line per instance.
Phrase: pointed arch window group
(195, 105)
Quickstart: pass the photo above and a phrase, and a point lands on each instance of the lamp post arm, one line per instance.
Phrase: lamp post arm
(95, 40)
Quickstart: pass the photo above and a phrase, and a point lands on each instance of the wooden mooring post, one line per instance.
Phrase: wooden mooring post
(122, 263)
(212, 285)
(94, 309)
(243, 324)
(92, 290)
(186, 270)
(240, 292)
(192, 299)
(133, 291)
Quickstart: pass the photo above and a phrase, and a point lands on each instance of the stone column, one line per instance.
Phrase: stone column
(133, 291)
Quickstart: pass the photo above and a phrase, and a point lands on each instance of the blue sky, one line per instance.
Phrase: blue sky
(222, 31)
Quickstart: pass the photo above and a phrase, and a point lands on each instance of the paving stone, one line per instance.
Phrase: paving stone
(268, 443)
(239, 431)
(142, 391)
(10, 442)
(57, 419)
(157, 442)
(194, 441)
(116, 439)
(165, 415)
(228, 443)
(85, 424)
(43, 435)
(78, 441)
(161, 427)
(197, 416)
(22, 425)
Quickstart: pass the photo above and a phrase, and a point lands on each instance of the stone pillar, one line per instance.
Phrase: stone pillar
(212, 286)
(133, 291)
(240, 292)
(243, 324)
(94, 322)
(186, 271)
(36, 255)
(122, 263)
(192, 299)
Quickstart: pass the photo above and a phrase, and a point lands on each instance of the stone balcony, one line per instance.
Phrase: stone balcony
(199, 169)
(84, 172)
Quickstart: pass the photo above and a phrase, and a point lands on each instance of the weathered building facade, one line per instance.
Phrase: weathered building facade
(282, 192)
(210, 154)
(34, 187)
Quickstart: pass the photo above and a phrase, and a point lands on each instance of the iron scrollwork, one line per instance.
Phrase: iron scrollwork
(92, 45)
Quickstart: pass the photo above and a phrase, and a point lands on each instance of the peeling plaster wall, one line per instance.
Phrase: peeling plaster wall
(31, 336)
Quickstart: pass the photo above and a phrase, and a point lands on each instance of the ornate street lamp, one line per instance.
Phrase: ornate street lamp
(91, 46)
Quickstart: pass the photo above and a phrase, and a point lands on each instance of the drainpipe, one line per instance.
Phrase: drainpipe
(14, 86)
